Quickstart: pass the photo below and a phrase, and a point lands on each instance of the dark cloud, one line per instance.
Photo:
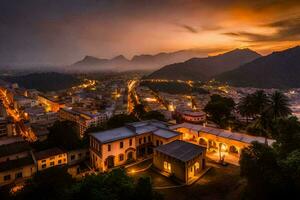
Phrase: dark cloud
(286, 30)
(188, 28)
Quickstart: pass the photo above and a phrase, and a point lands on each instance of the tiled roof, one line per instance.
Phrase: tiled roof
(181, 150)
(48, 153)
(13, 148)
(241, 137)
(14, 164)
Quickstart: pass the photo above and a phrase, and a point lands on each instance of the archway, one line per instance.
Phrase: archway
(110, 161)
(202, 142)
(196, 168)
(233, 150)
(212, 144)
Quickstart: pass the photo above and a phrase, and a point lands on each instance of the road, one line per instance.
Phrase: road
(21, 129)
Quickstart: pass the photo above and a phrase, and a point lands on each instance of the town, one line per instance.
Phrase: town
(149, 100)
(124, 122)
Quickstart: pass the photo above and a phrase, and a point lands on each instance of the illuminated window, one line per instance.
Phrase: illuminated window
(51, 163)
(167, 166)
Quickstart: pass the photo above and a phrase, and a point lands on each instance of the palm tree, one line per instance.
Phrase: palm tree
(245, 106)
(260, 102)
(279, 106)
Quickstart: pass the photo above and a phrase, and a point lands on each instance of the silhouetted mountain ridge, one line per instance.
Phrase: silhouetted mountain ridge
(143, 62)
(205, 68)
(277, 70)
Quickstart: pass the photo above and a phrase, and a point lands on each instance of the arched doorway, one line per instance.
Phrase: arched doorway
(212, 145)
(110, 161)
(130, 156)
(233, 150)
(196, 168)
(202, 142)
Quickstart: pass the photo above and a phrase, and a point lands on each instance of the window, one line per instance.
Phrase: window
(51, 163)
(43, 166)
(144, 139)
(108, 147)
(121, 157)
(130, 142)
(140, 141)
(167, 166)
(121, 145)
(59, 161)
(72, 157)
(149, 138)
(157, 143)
(19, 175)
(43, 161)
(7, 177)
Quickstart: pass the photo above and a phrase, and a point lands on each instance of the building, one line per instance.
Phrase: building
(220, 143)
(119, 146)
(83, 119)
(193, 116)
(50, 104)
(50, 158)
(6, 127)
(182, 159)
(16, 161)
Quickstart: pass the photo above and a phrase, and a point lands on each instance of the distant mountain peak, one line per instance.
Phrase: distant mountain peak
(205, 68)
(120, 57)
(277, 70)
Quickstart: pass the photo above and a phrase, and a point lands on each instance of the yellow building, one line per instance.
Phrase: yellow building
(122, 145)
(50, 158)
(16, 170)
(221, 144)
(50, 104)
(16, 162)
(182, 159)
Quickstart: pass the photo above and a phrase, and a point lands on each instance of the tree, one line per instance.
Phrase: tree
(153, 115)
(259, 166)
(64, 134)
(279, 105)
(246, 106)
(120, 120)
(139, 110)
(287, 134)
(115, 185)
(219, 109)
(273, 172)
(48, 184)
(260, 101)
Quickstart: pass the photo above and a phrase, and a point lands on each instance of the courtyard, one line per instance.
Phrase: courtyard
(220, 182)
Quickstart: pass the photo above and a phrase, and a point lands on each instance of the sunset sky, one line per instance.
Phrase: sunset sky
(63, 31)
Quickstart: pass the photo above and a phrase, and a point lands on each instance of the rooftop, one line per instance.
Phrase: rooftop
(48, 153)
(166, 133)
(14, 148)
(241, 137)
(132, 129)
(181, 150)
(14, 164)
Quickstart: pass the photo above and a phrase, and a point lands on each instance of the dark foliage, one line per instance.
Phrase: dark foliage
(50, 81)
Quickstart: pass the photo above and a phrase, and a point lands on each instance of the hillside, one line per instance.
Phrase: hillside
(49, 81)
(277, 70)
(205, 68)
(138, 62)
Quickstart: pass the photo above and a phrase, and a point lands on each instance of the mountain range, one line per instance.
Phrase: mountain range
(277, 70)
(140, 62)
(205, 68)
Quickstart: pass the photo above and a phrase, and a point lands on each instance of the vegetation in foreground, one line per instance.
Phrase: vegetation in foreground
(57, 184)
